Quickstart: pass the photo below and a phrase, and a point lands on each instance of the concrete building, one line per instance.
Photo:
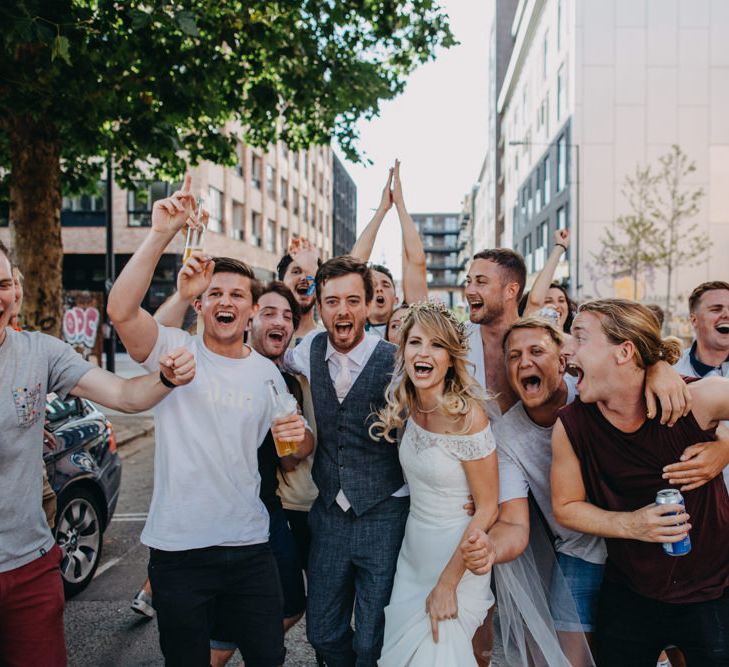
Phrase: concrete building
(344, 209)
(594, 88)
(488, 200)
(443, 243)
(255, 209)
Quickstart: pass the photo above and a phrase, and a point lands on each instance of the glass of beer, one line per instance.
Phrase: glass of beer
(195, 234)
(284, 405)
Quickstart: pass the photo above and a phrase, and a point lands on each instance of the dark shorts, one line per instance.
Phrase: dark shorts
(632, 630)
(583, 579)
(31, 614)
(235, 589)
(290, 573)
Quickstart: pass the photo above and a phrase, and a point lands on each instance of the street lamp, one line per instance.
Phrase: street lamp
(110, 272)
(578, 285)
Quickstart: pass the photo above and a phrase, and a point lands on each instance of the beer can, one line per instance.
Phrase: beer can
(673, 497)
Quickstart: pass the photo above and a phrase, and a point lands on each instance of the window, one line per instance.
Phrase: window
(545, 120)
(271, 236)
(256, 231)
(524, 96)
(528, 259)
(285, 151)
(545, 181)
(92, 202)
(284, 193)
(239, 155)
(238, 228)
(295, 197)
(561, 163)
(560, 91)
(540, 255)
(530, 201)
(296, 160)
(313, 215)
(305, 208)
(538, 191)
(321, 183)
(141, 199)
(545, 52)
(559, 24)
(271, 181)
(321, 221)
(284, 233)
(562, 218)
(215, 206)
(256, 165)
(306, 164)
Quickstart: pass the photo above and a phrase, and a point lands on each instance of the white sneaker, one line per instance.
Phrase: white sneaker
(142, 604)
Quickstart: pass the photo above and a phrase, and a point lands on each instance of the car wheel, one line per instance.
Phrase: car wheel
(80, 537)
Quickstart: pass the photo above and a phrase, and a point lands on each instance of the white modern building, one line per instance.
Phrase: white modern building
(594, 88)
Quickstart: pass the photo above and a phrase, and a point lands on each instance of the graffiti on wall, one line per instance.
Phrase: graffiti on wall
(81, 320)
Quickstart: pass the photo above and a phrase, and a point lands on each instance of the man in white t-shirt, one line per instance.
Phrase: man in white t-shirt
(207, 528)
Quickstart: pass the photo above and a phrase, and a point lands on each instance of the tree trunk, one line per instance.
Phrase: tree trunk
(35, 219)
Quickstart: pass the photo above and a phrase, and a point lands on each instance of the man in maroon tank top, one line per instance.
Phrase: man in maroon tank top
(608, 461)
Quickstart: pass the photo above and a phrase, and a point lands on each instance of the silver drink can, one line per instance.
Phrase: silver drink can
(673, 497)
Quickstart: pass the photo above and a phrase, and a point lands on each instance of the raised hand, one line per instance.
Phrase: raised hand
(195, 275)
(175, 212)
(386, 199)
(397, 196)
(178, 366)
(562, 236)
(305, 255)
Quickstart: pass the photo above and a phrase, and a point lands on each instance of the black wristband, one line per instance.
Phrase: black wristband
(165, 381)
(562, 245)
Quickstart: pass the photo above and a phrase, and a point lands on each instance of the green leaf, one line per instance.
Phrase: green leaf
(187, 23)
(60, 49)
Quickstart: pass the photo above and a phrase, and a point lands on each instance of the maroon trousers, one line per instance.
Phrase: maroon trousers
(31, 614)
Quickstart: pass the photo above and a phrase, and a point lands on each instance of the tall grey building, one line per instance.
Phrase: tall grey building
(442, 242)
(344, 209)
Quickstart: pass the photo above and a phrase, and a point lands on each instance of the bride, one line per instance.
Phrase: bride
(447, 453)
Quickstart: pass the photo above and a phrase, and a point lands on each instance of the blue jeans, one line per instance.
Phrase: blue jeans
(583, 580)
(352, 567)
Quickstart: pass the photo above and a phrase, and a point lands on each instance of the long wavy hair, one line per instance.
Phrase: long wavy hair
(461, 392)
(623, 320)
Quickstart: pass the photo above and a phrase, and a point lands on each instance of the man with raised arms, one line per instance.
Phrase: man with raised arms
(207, 529)
(414, 284)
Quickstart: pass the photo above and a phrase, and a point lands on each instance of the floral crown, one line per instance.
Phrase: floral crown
(441, 310)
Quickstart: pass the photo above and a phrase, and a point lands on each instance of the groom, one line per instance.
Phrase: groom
(358, 520)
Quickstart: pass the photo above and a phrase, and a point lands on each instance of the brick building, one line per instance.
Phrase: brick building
(255, 209)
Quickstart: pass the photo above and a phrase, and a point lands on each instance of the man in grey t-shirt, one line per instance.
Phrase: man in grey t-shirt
(33, 364)
(535, 369)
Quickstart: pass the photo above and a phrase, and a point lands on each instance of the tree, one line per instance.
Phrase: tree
(673, 204)
(628, 249)
(150, 84)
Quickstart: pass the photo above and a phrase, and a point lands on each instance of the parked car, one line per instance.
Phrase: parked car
(84, 470)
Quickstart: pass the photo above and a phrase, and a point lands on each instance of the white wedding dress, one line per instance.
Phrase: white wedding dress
(435, 526)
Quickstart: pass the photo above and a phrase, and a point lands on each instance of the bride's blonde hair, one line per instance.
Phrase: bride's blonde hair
(461, 392)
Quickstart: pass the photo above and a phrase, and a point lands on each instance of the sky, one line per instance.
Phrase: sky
(437, 128)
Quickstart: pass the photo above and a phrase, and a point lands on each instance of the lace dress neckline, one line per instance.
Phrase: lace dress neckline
(462, 447)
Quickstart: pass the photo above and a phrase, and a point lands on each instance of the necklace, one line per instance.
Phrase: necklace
(425, 412)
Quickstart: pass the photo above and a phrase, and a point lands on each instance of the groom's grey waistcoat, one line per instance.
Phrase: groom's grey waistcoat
(347, 458)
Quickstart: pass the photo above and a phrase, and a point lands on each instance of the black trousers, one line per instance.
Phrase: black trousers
(235, 588)
(632, 630)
